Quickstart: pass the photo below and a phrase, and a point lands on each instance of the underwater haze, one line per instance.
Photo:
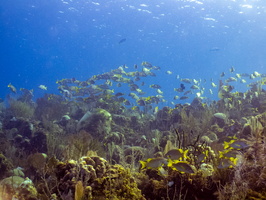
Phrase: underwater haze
(133, 99)
(45, 41)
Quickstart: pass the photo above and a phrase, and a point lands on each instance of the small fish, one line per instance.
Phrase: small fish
(238, 76)
(102, 86)
(231, 79)
(141, 102)
(12, 88)
(183, 166)
(133, 87)
(124, 66)
(220, 115)
(176, 97)
(213, 85)
(147, 64)
(195, 81)
(108, 82)
(185, 80)
(182, 86)
(27, 92)
(188, 92)
(153, 163)
(156, 86)
(225, 163)
(195, 87)
(156, 68)
(139, 91)
(183, 97)
(178, 90)
(159, 96)
(252, 76)
(133, 95)
(136, 108)
(169, 72)
(235, 145)
(232, 69)
(243, 81)
(256, 74)
(135, 66)
(156, 109)
(159, 91)
(145, 70)
(108, 91)
(151, 74)
(198, 94)
(222, 74)
(126, 102)
(66, 93)
(122, 40)
(119, 94)
(42, 87)
(137, 78)
(229, 153)
(175, 154)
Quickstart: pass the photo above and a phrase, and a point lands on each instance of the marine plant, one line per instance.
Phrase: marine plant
(51, 107)
(78, 145)
(20, 109)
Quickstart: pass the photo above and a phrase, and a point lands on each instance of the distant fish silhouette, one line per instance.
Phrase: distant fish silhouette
(215, 49)
(122, 40)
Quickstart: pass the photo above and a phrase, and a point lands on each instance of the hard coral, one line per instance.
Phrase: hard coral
(100, 180)
(117, 183)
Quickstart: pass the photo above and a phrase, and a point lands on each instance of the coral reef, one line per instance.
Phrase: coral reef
(89, 143)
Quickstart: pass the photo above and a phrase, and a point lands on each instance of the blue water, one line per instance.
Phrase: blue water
(43, 41)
